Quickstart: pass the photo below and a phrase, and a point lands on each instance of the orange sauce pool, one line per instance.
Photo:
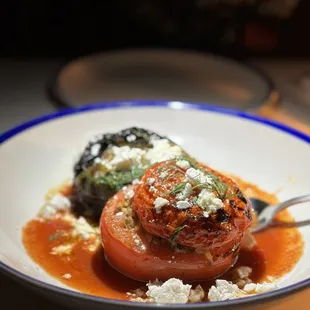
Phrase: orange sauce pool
(278, 250)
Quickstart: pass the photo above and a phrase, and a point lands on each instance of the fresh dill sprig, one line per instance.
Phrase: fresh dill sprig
(176, 233)
(219, 187)
(222, 190)
(178, 188)
(117, 179)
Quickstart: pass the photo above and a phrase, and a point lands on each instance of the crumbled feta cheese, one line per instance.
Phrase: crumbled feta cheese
(159, 203)
(59, 202)
(152, 189)
(47, 212)
(242, 272)
(63, 249)
(123, 157)
(240, 276)
(83, 229)
(97, 160)
(172, 291)
(196, 175)
(119, 214)
(67, 276)
(224, 290)
(186, 192)
(164, 174)
(131, 138)
(162, 150)
(197, 294)
(248, 241)
(55, 203)
(94, 151)
(69, 218)
(135, 182)
(129, 195)
(139, 292)
(94, 246)
(183, 204)
(259, 288)
(150, 181)
(208, 202)
(205, 213)
(183, 164)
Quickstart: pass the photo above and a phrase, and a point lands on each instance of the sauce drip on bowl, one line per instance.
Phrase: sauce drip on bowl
(277, 252)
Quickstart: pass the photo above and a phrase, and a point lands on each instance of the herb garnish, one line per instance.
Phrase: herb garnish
(117, 179)
(54, 236)
(176, 233)
(178, 188)
(222, 190)
(188, 159)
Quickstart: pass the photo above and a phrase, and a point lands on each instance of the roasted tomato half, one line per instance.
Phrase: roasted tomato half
(112, 161)
(144, 257)
(194, 206)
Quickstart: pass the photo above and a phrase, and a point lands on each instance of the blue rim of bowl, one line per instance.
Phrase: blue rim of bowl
(175, 105)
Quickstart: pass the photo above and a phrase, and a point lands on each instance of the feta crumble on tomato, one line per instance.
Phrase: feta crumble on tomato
(150, 181)
(183, 164)
(186, 192)
(196, 175)
(129, 195)
(183, 204)
(159, 203)
(208, 202)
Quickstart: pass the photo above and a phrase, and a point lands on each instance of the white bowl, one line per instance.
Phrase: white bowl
(40, 154)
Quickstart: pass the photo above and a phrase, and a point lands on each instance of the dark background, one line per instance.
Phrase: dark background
(51, 29)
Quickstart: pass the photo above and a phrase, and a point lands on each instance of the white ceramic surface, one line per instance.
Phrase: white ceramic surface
(42, 156)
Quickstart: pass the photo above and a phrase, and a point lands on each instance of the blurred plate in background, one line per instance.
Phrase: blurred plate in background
(160, 74)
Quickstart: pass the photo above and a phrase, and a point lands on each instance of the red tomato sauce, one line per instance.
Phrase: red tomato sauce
(277, 252)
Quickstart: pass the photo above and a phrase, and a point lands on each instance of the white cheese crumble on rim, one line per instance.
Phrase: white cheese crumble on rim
(225, 290)
(172, 291)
